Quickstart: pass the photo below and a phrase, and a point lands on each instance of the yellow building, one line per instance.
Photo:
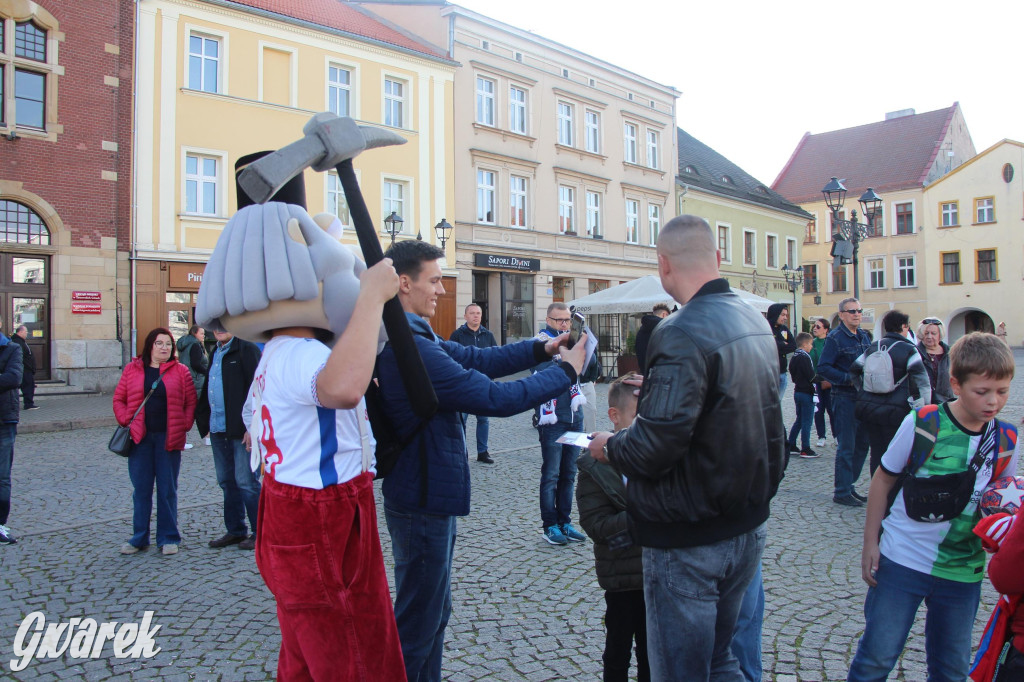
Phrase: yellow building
(218, 80)
(973, 243)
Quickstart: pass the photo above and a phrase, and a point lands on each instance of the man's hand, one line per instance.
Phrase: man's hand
(597, 442)
(247, 441)
(635, 380)
(825, 385)
(869, 563)
(552, 346)
(576, 355)
(380, 282)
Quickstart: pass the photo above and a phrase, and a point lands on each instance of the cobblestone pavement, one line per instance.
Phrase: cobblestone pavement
(523, 609)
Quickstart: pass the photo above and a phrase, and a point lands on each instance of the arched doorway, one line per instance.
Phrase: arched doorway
(967, 320)
(25, 279)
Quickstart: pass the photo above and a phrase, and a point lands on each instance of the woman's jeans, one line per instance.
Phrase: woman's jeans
(824, 406)
(149, 463)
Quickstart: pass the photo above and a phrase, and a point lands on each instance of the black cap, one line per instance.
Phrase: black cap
(293, 192)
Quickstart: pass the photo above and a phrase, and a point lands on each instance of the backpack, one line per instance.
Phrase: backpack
(878, 372)
(996, 640)
(389, 444)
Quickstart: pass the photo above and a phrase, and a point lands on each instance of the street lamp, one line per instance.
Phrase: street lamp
(393, 224)
(443, 229)
(794, 278)
(848, 234)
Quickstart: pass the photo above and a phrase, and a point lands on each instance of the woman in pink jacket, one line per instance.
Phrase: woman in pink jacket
(159, 436)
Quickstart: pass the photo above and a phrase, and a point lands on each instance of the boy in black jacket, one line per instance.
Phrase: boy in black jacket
(801, 370)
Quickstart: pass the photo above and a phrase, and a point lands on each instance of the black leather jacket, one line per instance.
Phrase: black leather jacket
(708, 448)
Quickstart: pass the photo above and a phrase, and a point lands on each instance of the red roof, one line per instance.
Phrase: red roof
(338, 15)
(887, 155)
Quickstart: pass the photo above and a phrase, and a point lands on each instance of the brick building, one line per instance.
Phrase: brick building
(65, 187)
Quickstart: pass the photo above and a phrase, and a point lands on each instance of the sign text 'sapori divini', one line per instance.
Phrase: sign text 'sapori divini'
(491, 260)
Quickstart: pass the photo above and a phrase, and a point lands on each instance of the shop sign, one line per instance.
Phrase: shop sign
(490, 260)
(85, 295)
(80, 308)
(185, 276)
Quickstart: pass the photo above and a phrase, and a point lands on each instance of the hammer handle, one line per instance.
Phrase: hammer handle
(410, 365)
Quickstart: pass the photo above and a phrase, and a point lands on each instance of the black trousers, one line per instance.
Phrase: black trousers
(879, 437)
(1012, 669)
(625, 619)
(28, 388)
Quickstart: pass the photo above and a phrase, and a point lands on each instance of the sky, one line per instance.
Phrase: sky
(756, 76)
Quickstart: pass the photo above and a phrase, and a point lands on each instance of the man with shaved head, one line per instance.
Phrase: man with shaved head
(703, 459)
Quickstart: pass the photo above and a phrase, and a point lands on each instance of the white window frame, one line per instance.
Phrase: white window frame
(594, 214)
(219, 189)
(629, 142)
(566, 209)
(632, 221)
(653, 157)
(395, 103)
(221, 41)
(752, 261)
(653, 223)
(389, 203)
(485, 101)
(792, 253)
(950, 210)
(566, 122)
(518, 200)
(333, 194)
(336, 88)
(592, 130)
(899, 270)
(517, 110)
(989, 210)
(870, 271)
(771, 253)
(727, 256)
(486, 195)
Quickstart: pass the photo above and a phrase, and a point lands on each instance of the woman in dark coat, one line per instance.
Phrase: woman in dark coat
(935, 354)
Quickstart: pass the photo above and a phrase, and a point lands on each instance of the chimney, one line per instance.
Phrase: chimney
(899, 114)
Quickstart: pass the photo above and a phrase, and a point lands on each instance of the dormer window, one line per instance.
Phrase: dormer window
(727, 180)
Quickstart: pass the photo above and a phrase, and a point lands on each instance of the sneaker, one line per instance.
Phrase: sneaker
(169, 549)
(129, 548)
(821, 442)
(792, 447)
(848, 501)
(188, 446)
(554, 535)
(809, 454)
(248, 543)
(5, 536)
(571, 534)
(32, 407)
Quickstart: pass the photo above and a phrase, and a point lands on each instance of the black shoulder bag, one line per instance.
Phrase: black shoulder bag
(121, 442)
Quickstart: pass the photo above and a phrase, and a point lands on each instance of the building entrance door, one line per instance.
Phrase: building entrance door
(25, 300)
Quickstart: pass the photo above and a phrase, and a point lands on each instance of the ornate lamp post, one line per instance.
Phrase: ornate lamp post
(848, 234)
(443, 231)
(794, 278)
(393, 224)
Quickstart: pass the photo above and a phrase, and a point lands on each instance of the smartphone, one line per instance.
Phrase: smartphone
(576, 324)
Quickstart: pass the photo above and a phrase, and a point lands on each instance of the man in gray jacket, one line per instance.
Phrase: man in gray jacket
(704, 458)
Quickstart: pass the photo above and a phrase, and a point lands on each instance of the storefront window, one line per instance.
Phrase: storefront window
(518, 290)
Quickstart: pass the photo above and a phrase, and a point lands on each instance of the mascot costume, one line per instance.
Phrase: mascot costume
(281, 277)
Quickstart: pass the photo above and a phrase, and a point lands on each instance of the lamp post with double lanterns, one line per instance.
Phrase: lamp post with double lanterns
(794, 278)
(848, 234)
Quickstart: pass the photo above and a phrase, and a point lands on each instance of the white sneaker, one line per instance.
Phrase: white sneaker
(188, 446)
(169, 549)
(129, 548)
(821, 442)
(5, 536)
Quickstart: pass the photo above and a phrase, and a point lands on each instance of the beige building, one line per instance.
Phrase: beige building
(973, 243)
(564, 164)
(219, 80)
(898, 157)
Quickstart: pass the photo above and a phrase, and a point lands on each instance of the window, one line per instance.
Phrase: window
(29, 41)
(906, 272)
(652, 149)
(21, 225)
(839, 278)
(29, 98)
(749, 248)
(985, 209)
(951, 267)
(632, 221)
(905, 218)
(203, 63)
(201, 182)
(629, 135)
(517, 110)
(566, 209)
(876, 273)
(654, 222)
(772, 251)
(791, 259)
(593, 214)
(877, 228)
(987, 265)
(394, 103)
(723, 243)
(485, 197)
(24, 71)
(811, 233)
(950, 213)
(393, 200)
(565, 124)
(336, 204)
(810, 279)
(593, 131)
(517, 201)
(339, 90)
(485, 101)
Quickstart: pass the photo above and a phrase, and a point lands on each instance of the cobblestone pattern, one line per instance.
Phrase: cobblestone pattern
(523, 609)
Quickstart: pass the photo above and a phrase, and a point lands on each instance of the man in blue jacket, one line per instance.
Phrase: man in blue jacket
(429, 485)
(473, 333)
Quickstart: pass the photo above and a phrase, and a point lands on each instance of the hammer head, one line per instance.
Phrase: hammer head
(329, 140)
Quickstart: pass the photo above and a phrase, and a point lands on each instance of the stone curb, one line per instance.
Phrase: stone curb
(66, 424)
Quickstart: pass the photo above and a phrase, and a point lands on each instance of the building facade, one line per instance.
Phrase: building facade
(898, 158)
(219, 79)
(65, 192)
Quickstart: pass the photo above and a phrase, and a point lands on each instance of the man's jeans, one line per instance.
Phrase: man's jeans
(7, 435)
(889, 611)
(746, 640)
(239, 483)
(483, 428)
(149, 463)
(804, 420)
(853, 443)
(693, 597)
(423, 546)
(558, 472)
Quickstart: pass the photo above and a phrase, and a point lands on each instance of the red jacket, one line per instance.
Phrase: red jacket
(181, 401)
(1007, 576)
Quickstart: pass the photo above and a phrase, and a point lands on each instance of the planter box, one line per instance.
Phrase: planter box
(627, 364)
